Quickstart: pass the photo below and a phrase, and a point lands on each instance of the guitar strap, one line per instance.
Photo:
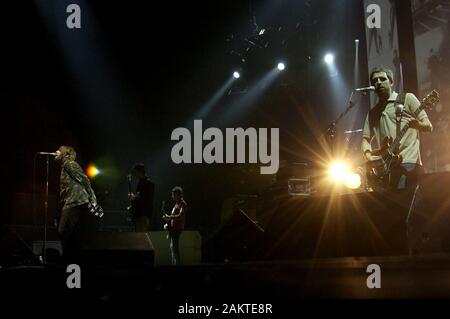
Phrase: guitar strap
(399, 109)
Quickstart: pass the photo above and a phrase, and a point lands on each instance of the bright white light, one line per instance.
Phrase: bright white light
(338, 171)
(329, 58)
(356, 40)
(262, 31)
(281, 66)
(236, 75)
(353, 180)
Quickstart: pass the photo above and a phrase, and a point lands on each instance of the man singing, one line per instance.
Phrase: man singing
(77, 223)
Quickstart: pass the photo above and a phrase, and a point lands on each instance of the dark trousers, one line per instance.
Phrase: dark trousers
(76, 226)
(174, 237)
(406, 177)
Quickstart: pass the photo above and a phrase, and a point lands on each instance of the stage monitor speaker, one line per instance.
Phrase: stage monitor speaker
(119, 249)
(13, 249)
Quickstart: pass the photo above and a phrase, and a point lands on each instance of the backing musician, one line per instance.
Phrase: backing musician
(175, 223)
(142, 200)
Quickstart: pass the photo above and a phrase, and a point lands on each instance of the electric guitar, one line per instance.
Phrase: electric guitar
(163, 213)
(379, 171)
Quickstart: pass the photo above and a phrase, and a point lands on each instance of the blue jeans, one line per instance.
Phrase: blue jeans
(174, 247)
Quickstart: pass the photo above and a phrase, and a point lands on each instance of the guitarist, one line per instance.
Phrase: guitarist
(392, 112)
(142, 200)
(175, 223)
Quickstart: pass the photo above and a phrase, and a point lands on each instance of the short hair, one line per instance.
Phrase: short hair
(177, 190)
(382, 68)
(139, 167)
(69, 152)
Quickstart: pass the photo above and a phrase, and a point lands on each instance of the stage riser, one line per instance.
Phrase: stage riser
(360, 224)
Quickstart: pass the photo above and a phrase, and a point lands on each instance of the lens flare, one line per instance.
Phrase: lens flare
(353, 181)
(338, 171)
(92, 170)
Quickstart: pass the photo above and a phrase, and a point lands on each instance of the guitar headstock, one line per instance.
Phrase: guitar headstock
(430, 100)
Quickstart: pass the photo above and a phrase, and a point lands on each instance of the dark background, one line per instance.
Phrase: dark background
(116, 88)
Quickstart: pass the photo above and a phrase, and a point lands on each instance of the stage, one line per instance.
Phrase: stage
(401, 277)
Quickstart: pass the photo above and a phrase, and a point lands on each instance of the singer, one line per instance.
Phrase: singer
(76, 224)
(392, 112)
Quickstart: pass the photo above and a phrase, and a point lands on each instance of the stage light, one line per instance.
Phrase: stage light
(329, 58)
(236, 75)
(342, 173)
(338, 171)
(92, 171)
(281, 66)
(353, 180)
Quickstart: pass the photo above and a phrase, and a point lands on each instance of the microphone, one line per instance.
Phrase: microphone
(369, 88)
(46, 153)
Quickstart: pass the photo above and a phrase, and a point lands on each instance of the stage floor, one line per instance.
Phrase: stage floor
(400, 277)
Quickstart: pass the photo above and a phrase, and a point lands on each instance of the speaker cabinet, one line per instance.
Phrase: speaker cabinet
(127, 249)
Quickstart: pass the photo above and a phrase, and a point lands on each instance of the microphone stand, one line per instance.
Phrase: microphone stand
(330, 133)
(44, 244)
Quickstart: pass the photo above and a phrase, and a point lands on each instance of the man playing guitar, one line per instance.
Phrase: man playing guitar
(141, 202)
(385, 122)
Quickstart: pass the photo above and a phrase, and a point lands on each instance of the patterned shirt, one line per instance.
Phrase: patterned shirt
(75, 187)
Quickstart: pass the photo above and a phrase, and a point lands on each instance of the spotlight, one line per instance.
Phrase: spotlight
(329, 58)
(92, 171)
(281, 66)
(236, 75)
(353, 180)
(338, 171)
(342, 173)
(356, 40)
